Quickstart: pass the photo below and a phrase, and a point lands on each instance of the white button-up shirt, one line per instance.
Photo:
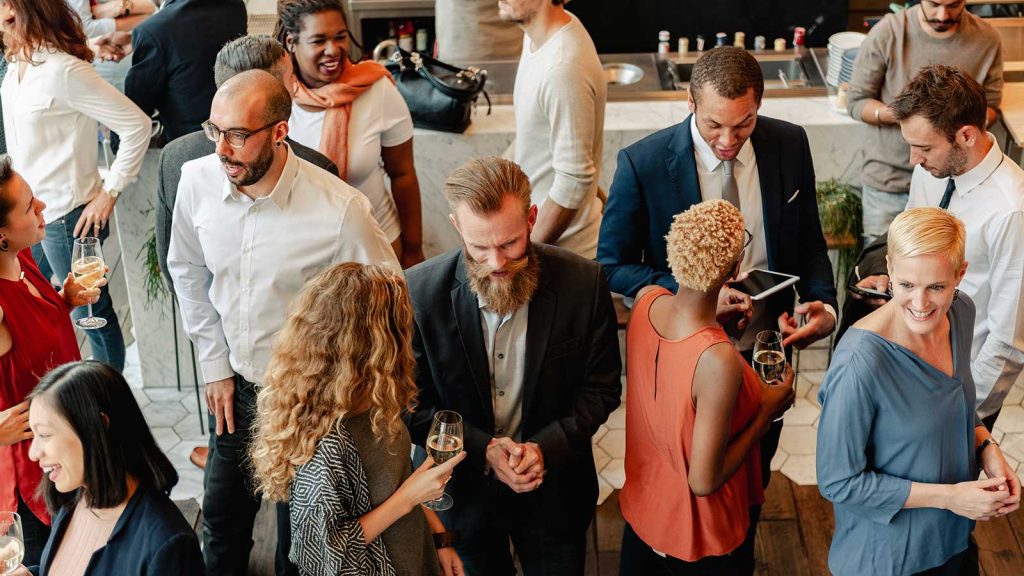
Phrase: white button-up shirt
(50, 120)
(989, 199)
(238, 263)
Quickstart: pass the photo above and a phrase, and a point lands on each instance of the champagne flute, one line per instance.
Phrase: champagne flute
(12, 542)
(88, 268)
(769, 358)
(444, 443)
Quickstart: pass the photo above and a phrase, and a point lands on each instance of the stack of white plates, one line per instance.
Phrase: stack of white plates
(842, 51)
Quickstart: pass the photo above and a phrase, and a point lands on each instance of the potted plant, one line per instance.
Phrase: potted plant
(840, 213)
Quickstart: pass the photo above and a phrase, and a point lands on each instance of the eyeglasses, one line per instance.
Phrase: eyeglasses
(749, 238)
(234, 138)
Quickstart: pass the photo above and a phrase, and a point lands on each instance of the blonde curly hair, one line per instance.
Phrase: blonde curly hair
(704, 244)
(347, 346)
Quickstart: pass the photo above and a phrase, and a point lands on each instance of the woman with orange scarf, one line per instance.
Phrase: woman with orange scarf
(353, 114)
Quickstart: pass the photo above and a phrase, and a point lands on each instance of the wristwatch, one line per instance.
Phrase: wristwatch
(444, 540)
(126, 7)
(981, 447)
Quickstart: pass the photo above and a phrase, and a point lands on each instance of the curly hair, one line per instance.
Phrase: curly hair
(40, 24)
(346, 346)
(704, 244)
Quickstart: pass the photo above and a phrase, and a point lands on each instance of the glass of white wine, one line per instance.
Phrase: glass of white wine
(88, 268)
(444, 443)
(769, 358)
(12, 542)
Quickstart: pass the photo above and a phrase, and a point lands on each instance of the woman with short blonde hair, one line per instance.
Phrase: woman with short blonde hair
(329, 436)
(695, 413)
(899, 442)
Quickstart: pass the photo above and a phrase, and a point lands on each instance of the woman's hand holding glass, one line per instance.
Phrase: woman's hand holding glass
(778, 397)
(427, 482)
(75, 294)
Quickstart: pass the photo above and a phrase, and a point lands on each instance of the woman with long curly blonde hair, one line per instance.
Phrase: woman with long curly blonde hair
(329, 436)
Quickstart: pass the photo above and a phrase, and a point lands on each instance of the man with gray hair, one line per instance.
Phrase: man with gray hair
(252, 223)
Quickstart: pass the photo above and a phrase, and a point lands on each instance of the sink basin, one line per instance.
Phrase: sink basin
(622, 74)
(796, 71)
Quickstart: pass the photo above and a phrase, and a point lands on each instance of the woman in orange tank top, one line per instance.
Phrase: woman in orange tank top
(694, 414)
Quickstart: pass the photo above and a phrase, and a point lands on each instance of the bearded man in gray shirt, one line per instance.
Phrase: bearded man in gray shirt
(932, 32)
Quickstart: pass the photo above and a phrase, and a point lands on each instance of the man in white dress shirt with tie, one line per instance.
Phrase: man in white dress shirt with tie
(252, 222)
(958, 166)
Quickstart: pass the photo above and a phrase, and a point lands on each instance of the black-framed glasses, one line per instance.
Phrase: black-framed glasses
(748, 238)
(234, 138)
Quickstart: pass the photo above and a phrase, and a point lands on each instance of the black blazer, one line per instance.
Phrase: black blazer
(151, 538)
(571, 382)
(656, 179)
(173, 157)
(172, 60)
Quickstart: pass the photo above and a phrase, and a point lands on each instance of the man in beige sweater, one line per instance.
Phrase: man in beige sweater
(932, 32)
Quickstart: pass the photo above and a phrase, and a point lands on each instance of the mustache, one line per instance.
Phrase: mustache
(482, 270)
(943, 22)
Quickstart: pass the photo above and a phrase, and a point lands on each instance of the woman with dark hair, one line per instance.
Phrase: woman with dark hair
(107, 480)
(353, 114)
(52, 99)
(35, 336)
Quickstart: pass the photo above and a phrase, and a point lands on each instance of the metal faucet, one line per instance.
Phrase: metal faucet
(383, 45)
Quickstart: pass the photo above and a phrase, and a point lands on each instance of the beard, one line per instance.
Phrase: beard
(955, 163)
(505, 295)
(252, 172)
(943, 25)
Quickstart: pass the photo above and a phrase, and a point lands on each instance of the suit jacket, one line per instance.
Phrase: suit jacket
(190, 147)
(151, 537)
(571, 382)
(656, 179)
(172, 60)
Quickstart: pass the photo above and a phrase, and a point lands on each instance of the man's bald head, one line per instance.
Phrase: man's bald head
(258, 88)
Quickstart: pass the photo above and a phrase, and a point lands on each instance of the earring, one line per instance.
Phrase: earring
(888, 289)
(956, 294)
(4, 246)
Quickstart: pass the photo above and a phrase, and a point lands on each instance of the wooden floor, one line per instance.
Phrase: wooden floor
(792, 539)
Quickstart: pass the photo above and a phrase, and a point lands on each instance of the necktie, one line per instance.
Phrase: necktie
(950, 186)
(730, 192)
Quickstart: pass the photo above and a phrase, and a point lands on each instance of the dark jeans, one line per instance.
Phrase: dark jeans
(489, 515)
(638, 559)
(35, 532)
(107, 343)
(230, 501)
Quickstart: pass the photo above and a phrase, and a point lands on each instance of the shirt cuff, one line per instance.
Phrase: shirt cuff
(835, 317)
(216, 369)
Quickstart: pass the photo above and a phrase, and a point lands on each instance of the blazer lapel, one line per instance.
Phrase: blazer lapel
(769, 174)
(466, 309)
(682, 165)
(538, 331)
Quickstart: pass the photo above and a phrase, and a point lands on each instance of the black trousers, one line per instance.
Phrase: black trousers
(230, 501)
(488, 516)
(35, 532)
(770, 441)
(638, 559)
(950, 568)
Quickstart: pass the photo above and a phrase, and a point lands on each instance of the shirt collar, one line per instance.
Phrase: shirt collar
(968, 181)
(707, 157)
(282, 190)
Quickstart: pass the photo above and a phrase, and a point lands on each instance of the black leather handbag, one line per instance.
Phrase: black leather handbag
(440, 96)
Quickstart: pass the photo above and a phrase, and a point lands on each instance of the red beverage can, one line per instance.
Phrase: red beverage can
(798, 36)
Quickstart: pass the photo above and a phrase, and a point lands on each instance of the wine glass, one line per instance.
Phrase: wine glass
(444, 443)
(88, 268)
(769, 358)
(12, 542)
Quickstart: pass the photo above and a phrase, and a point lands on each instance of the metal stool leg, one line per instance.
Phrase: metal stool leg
(195, 374)
(174, 329)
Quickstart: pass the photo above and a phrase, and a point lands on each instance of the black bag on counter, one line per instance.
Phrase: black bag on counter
(440, 96)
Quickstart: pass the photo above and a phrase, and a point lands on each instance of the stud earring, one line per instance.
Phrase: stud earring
(888, 289)
(4, 245)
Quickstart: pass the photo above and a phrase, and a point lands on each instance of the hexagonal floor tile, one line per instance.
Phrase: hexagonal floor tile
(601, 458)
(778, 460)
(800, 469)
(798, 440)
(1011, 419)
(614, 443)
(614, 472)
(803, 413)
(1014, 397)
(813, 359)
(1013, 445)
(601, 431)
(163, 414)
(617, 419)
(188, 428)
(165, 437)
(604, 490)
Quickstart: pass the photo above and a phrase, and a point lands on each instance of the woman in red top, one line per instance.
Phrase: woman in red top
(35, 336)
(694, 414)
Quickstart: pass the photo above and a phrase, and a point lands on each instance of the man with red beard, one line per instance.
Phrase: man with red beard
(252, 223)
(521, 340)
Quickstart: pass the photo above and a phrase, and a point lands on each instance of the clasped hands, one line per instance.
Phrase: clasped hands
(519, 465)
(112, 47)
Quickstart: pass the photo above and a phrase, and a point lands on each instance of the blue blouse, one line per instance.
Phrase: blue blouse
(889, 418)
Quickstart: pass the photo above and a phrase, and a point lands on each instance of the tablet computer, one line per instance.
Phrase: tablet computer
(760, 284)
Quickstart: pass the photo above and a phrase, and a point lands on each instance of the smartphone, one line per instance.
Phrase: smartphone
(760, 284)
(869, 292)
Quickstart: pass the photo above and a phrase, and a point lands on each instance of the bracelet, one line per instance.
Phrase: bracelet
(981, 447)
(444, 539)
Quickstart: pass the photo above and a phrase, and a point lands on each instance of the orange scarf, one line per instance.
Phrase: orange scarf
(336, 98)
